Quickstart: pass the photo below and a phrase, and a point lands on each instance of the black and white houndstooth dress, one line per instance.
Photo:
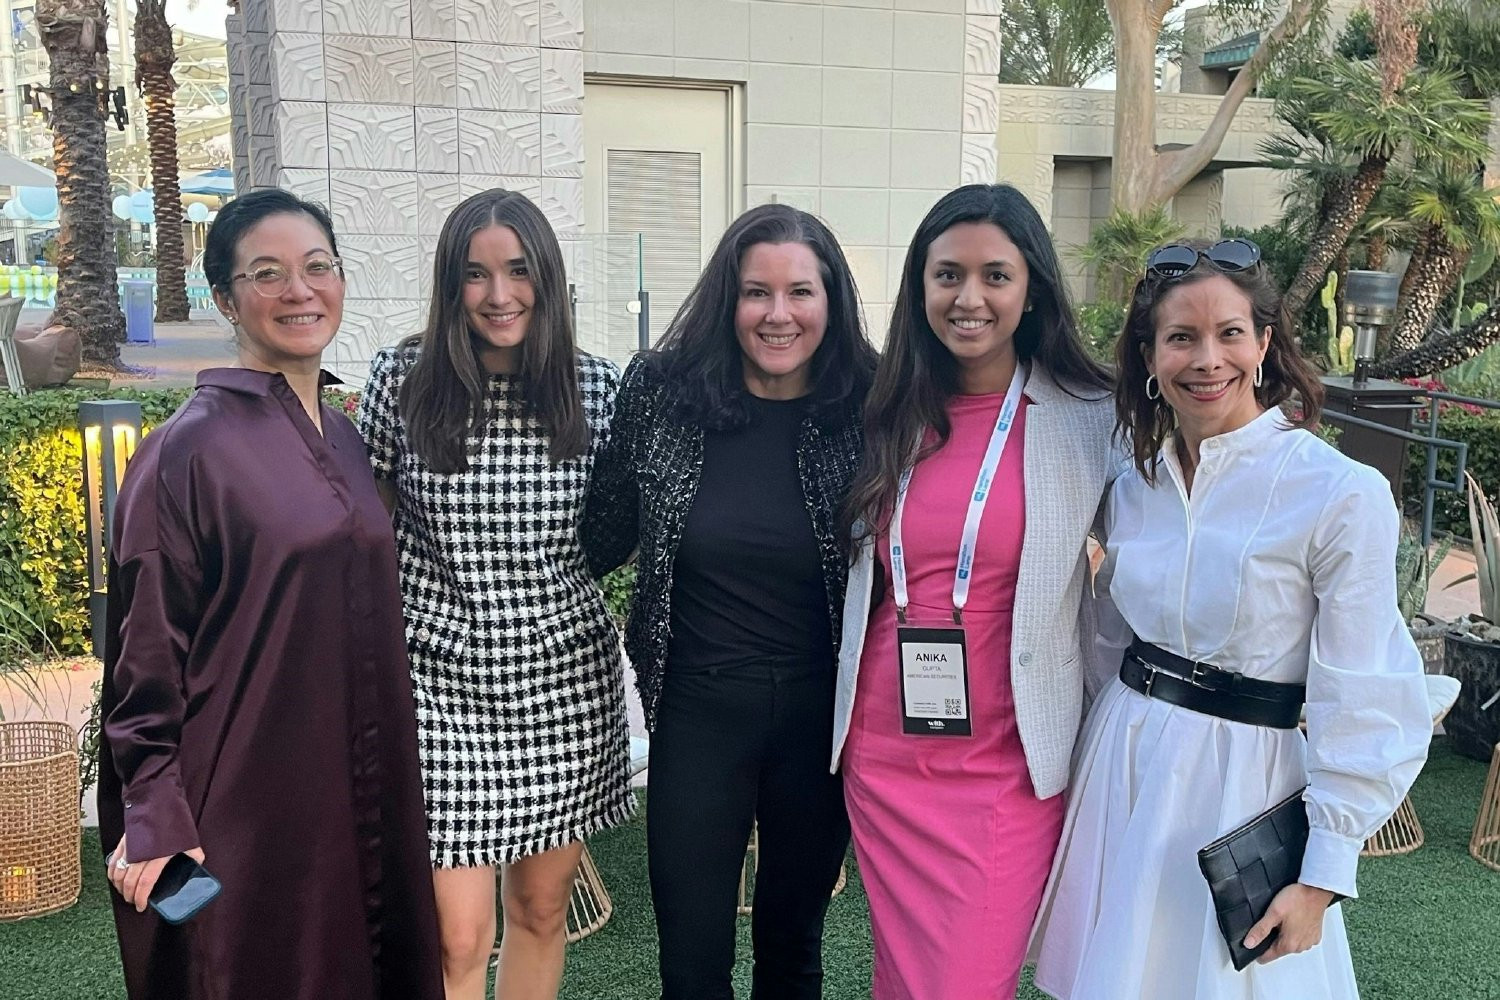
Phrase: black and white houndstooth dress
(515, 660)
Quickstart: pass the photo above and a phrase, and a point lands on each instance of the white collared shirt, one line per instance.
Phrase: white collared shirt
(1281, 564)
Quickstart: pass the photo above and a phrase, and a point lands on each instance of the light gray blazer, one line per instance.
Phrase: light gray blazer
(1070, 463)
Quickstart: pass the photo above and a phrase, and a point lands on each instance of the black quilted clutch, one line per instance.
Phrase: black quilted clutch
(1248, 866)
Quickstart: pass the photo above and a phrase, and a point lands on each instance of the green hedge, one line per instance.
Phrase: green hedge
(43, 568)
(1481, 431)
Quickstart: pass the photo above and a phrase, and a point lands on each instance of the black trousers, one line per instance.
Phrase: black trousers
(731, 746)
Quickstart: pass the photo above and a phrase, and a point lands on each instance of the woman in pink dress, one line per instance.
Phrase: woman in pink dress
(960, 678)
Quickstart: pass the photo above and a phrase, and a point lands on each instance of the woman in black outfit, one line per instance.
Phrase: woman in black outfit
(732, 445)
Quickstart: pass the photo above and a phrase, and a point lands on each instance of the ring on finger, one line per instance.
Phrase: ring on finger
(121, 863)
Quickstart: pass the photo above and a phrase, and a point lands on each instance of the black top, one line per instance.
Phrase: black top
(748, 585)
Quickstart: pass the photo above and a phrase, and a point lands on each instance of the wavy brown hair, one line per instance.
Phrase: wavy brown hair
(918, 375)
(442, 397)
(1146, 422)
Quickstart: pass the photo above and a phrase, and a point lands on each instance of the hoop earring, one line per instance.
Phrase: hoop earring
(1151, 380)
(1259, 375)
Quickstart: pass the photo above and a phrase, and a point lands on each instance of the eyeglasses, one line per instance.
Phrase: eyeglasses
(271, 280)
(1177, 259)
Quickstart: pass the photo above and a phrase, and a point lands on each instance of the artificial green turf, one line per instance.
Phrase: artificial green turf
(1426, 926)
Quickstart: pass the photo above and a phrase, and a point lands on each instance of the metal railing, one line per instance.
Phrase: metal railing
(1430, 442)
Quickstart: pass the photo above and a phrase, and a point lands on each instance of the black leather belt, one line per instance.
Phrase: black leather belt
(1203, 687)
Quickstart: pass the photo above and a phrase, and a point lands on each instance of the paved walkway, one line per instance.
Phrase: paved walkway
(181, 350)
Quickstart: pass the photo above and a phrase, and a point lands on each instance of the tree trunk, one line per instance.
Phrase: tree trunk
(88, 300)
(1437, 270)
(1376, 252)
(1137, 25)
(154, 57)
(1444, 352)
(1333, 235)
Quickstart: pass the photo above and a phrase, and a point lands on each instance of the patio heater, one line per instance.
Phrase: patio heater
(110, 430)
(1370, 306)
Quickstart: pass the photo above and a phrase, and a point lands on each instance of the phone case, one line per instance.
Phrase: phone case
(184, 888)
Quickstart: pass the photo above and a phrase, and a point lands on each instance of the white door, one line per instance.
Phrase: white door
(657, 175)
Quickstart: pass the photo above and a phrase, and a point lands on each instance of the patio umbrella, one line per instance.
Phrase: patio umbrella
(18, 172)
(219, 181)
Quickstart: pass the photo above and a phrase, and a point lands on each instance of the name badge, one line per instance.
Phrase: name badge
(934, 681)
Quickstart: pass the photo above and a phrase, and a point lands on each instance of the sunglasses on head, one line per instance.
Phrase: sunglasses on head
(1177, 259)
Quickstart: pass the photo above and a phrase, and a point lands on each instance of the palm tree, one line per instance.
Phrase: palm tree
(1424, 115)
(73, 34)
(1457, 214)
(1443, 352)
(154, 57)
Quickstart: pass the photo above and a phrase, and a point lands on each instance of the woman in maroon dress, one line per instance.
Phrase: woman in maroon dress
(257, 706)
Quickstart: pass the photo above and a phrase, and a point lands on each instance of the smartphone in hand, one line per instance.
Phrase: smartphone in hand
(184, 888)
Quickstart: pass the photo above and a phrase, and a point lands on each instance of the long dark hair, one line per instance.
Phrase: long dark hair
(442, 397)
(917, 374)
(1146, 422)
(700, 356)
(242, 215)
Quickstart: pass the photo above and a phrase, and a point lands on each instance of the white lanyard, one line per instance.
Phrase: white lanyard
(977, 500)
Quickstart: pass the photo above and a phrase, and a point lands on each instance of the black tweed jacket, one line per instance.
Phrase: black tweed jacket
(646, 478)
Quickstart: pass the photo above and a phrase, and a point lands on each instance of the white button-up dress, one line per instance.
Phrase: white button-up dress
(1280, 564)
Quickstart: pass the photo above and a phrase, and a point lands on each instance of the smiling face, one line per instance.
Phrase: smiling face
(780, 318)
(498, 296)
(289, 330)
(1205, 355)
(974, 292)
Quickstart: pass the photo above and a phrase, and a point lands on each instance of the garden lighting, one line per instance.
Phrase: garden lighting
(110, 429)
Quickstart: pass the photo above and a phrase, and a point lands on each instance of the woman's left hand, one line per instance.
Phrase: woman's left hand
(1298, 910)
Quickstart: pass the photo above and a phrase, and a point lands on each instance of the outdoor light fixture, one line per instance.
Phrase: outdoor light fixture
(1369, 304)
(110, 428)
(116, 97)
(31, 96)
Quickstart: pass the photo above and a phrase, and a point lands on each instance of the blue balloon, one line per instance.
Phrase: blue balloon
(40, 202)
(143, 207)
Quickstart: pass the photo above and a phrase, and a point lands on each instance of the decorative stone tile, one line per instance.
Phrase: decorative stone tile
(500, 22)
(562, 24)
(238, 50)
(261, 108)
(426, 254)
(983, 7)
(499, 142)
(499, 78)
(291, 15)
(978, 165)
(368, 17)
(437, 195)
(374, 202)
(371, 137)
(381, 266)
(435, 69)
(257, 15)
(562, 145)
(562, 204)
(239, 140)
(368, 70)
(258, 67)
(297, 71)
(265, 159)
(982, 44)
(437, 140)
(435, 20)
(310, 185)
(370, 325)
(472, 184)
(242, 173)
(562, 81)
(981, 104)
(302, 132)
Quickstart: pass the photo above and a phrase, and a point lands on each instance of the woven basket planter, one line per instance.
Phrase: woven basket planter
(39, 828)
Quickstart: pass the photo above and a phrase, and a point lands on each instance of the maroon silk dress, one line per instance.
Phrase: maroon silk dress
(257, 702)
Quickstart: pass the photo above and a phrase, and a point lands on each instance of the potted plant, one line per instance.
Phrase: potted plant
(1415, 566)
(1473, 641)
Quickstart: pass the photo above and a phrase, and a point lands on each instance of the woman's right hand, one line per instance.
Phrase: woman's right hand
(135, 880)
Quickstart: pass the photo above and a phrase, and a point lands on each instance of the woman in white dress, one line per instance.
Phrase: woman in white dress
(1243, 543)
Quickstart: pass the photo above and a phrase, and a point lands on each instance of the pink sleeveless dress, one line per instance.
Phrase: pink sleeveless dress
(954, 847)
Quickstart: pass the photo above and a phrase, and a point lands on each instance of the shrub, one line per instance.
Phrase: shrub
(1100, 323)
(1481, 431)
(43, 568)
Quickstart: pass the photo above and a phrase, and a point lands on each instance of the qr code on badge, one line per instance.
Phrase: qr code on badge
(953, 707)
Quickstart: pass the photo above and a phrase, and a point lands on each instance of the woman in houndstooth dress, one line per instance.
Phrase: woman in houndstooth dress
(483, 431)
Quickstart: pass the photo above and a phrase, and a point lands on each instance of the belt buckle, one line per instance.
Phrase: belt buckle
(1193, 678)
(1151, 673)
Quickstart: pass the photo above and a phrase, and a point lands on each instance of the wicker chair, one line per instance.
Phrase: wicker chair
(752, 865)
(1485, 844)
